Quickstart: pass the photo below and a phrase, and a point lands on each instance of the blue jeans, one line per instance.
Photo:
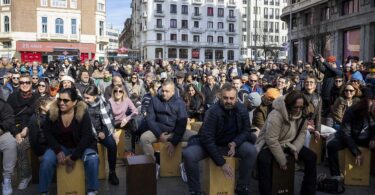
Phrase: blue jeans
(49, 162)
(111, 146)
(194, 153)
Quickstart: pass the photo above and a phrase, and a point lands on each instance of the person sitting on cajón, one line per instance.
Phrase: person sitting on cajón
(224, 132)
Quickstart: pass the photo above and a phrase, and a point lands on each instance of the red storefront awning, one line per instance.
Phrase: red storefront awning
(32, 46)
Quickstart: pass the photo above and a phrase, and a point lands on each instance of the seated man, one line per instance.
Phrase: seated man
(224, 132)
(165, 120)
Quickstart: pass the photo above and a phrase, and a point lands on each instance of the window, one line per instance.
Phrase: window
(243, 38)
(230, 55)
(6, 24)
(173, 9)
(195, 53)
(159, 23)
(231, 13)
(220, 39)
(308, 19)
(159, 36)
(159, 53)
(44, 3)
(277, 2)
(184, 24)
(59, 3)
(243, 51)
(244, 2)
(265, 26)
(172, 53)
(265, 12)
(270, 13)
(210, 25)
(73, 4)
(173, 37)
(44, 24)
(183, 53)
(74, 26)
(101, 47)
(271, 2)
(210, 39)
(208, 54)
(59, 23)
(276, 27)
(220, 12)
(265, 38)
(324, 14)
(210, 11)
(271, 39)
(184, 9)
(101, 28)
(196, 38)
(184, 37)
(220, 25)
(277, 39)
(173, 23)
(265, 2)
(159, 8)
(101, 7)
(196, 11)
(231, 27)
(7, 44)
(350, 6)
(196, 24)
(230, 40)
(256, 10)
(271, 27)
(277, 13)
(6, 2)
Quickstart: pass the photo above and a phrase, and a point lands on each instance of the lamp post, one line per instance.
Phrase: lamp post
(290, 33)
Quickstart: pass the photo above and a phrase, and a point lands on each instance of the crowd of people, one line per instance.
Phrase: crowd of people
(259, 113)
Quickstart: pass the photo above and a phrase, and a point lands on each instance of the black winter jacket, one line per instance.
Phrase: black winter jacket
(329, 79)
(37, 137)
(6, 117)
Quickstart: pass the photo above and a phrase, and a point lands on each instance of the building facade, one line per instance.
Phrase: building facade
(264, 33)
(331, 27)
(45, 30)
(194, 30)
(113, 43)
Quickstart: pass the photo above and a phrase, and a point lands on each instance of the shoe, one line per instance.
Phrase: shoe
(183, 173)
(92, 193)
(7, 187)
(242, 191)
(157, 170)
(113, 179)
(24, 183)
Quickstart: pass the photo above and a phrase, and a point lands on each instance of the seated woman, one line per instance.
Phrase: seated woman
(194, 100)
(68, 130)
(357, 129)
(101, 117)
(284, 132)
(349, 95)
(43, 89)
(123, 111)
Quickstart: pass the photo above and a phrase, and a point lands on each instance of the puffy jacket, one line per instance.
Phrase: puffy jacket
(167, 116)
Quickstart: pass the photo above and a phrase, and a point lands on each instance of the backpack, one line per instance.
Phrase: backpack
(328, 185)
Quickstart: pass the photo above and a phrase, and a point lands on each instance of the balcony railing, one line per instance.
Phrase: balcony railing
(159, 14)
(196, 2)
(196, 16)
(54, 36)
(231, 18)
(159, 28)
(197, 30)
(231, 33)
(231, 4)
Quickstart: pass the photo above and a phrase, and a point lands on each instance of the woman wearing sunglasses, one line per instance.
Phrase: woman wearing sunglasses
(284, 132)
(101, 117)
(43, 89)
(123, 111)
(70, 137)
(349, 96)
(23, 103)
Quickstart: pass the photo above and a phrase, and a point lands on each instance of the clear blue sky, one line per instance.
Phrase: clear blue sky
(117, 12)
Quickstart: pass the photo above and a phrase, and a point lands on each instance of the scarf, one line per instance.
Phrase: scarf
(26, 95)
(106, 113)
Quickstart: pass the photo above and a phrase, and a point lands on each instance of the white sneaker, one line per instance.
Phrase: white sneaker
(24, 183)
(157, 170)
(92, 193)
(183, 173)
(7, 187)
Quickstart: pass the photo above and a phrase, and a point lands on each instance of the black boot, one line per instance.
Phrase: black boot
(113, 179)
(242, 191)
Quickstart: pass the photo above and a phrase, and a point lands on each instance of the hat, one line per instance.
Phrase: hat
(331, 59)
(67, 78)
(272, 93)
(254, 99)
(180, 75)
(163, 75)
(357, 76)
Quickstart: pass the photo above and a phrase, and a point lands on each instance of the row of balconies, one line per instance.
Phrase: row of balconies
(196, 16)
(190, 43)
(68, 37)
(196, 30)
(198, 2)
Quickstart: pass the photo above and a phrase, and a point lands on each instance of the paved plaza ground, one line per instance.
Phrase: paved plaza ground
(175, 186)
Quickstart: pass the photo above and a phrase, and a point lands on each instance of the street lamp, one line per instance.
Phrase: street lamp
(290, 32)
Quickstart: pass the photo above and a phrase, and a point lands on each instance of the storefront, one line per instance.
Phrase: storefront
(45, 52)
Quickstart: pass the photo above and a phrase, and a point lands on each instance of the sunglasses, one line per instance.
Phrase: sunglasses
(338, 81)
(354, 81)
(63, 100)
(41, 85)
(35, 78)
(15, 78)
(349, 90)
(118, 91)
(253, 81)
(25, 82)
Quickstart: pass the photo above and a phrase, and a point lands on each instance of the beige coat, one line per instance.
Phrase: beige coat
(279, 130)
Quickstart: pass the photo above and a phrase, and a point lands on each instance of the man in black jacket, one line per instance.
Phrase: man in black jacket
(225, 130)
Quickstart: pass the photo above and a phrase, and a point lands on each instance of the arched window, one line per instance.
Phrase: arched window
(59, 23)
(6, 24)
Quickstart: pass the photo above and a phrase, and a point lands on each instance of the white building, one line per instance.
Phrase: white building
(265, 32)
(197, 30)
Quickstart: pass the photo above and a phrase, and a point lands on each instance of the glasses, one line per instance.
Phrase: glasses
(35, 78)
(349, 90)
(63, 100)
(354, 81)
(118, 91)
(253, 81)
(338, 81)
(25, 82)
(309, 82)
(15, 78)
(134, 77)
(223, 76)
(41, 85)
